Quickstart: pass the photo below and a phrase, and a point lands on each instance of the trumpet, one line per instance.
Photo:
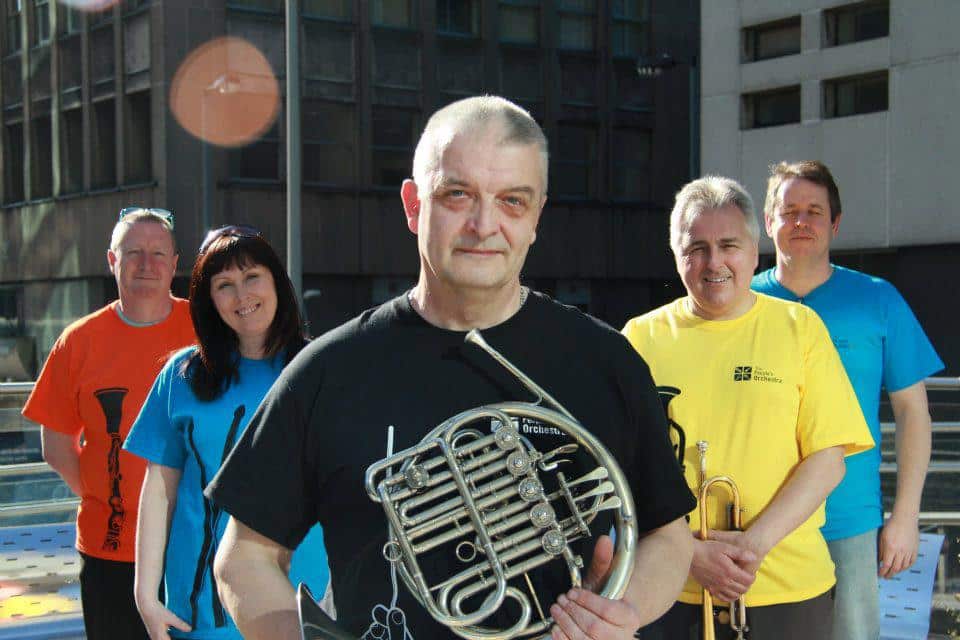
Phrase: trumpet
(738, 611)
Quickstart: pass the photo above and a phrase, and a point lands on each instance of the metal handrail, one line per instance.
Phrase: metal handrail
(24, 468)
(40, 507)
(940, 383)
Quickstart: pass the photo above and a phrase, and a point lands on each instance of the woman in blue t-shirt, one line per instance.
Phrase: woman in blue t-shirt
(248, 326)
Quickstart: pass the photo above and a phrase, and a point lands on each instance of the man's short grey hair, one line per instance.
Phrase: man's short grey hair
(472, 114)
(704, 194)
(120, 229)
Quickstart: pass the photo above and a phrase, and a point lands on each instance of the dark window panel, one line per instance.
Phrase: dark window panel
(396, 61)
(328, 61)
(103, 137)
(40, 72)
(14, 9)
(11, 311)
(855, 95)
(101, 53)
(71, 151)
(70, 62)
(72, 21)
(460, 67)
(856, 22)
(630, 30)
(578, 80)
(259, 160)
(521, 77)
(265, 35)
(771, 108)
(41, 21)
(631, 91)
(460, 17)
(394, 137)
(13, 165)
(520, 21)
(329, 146)
(12, 86)
(632, 156)
(41, 174)
(771, 40)
(136, 43)
(138, 149)
(575, 161)
(392, 13)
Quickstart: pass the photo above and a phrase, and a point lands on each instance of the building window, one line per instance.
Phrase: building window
(394, 136)
(630, 29)
(13, 163)
(138, 152)
(577, 24)
(771, 108)
(396, 60)
(14, 10)
(328, 60)
(459, 67)
(392, 13)
(41, 21)
(71, 151)
(259, 160)
(856, 22)
(575, 161)
(771, 40)
(632, 157)
(41, 171)
(103, 140)
(458, 17)
(857, 94)
(11, 311)
(72, 20)
(520, 21)
(329, 143)
(12, 84)
(578, 80)
(520, 74)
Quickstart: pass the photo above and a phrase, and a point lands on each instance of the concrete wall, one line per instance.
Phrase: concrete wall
(891, 166)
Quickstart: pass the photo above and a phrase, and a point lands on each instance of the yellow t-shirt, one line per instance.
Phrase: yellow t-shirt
(765, 390)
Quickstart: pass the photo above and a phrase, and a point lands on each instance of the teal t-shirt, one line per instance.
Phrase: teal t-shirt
(175, 429)
(882, 346)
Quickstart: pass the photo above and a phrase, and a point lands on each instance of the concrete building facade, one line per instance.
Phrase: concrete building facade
(869, 88)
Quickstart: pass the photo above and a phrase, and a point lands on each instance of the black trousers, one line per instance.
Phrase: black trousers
(807, 620)
(109, 609)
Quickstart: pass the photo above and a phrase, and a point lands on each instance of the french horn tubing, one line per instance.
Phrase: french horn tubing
(738, 611)
(503, 508)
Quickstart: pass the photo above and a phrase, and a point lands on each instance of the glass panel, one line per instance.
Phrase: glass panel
(458, 16)
(519, 24)
(391, 13)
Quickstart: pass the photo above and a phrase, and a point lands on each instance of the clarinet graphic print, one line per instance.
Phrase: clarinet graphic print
(111, 402)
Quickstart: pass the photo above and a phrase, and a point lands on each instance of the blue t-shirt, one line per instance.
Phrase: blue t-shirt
(881, 345)
(177, 430)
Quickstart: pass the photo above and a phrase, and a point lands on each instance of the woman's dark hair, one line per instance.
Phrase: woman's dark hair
(215, 364)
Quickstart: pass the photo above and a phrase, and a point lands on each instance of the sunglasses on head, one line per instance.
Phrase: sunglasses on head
(229, 231)
(160, 213)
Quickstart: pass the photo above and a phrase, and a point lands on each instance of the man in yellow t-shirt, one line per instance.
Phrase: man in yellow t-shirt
(759, 380)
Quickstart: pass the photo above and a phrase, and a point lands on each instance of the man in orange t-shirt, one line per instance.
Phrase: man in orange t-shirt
(92, 387)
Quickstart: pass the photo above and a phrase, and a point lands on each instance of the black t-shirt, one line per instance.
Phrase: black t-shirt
(305, 452)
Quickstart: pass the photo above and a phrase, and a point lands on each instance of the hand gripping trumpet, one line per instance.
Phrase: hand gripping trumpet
(738, 611)
(502, 508)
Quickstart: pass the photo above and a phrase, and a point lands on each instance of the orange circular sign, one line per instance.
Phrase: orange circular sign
(225, 93)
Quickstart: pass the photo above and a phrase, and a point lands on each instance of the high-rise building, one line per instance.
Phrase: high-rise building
(87, 129)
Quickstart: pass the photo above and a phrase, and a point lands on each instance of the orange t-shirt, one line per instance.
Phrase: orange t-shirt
(95, 381)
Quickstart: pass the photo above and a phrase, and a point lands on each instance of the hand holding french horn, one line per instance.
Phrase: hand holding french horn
(581, 613)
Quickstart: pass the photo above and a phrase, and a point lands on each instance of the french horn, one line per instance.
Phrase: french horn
(503, 508)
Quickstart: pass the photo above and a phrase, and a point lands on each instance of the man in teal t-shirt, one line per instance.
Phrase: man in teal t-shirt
(881, 345)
